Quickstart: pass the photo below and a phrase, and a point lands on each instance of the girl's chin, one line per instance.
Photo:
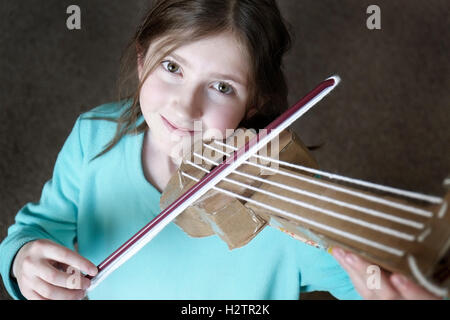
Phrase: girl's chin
(177, 160)
(175, 151)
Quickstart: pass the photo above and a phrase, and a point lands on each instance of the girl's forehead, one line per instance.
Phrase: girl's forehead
(215, 54)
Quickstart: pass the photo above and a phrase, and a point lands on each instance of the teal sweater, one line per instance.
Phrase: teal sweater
(101, 204)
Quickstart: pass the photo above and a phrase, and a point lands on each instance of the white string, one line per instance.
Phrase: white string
(389, 203)
(369, 211)
(442, 292)
(405, 193)
(339, 232)
(408, 208)
(443, 210)
(334, 214)
(330, 213)
(446, 182)
(424, 235)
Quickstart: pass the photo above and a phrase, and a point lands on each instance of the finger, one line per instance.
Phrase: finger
(67, 279)
(27, 291)
(371, 280)
(71, 258)
(52, 292)
(351, 262)
(356, 278)
(410, 290)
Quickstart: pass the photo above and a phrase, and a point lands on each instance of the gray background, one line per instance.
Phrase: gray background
(387, 122)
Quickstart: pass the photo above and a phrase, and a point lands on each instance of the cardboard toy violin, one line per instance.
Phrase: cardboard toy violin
(233, 189)
(399, 231)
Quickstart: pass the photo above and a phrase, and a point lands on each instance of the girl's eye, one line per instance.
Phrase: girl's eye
(224, 88)
(171, 66)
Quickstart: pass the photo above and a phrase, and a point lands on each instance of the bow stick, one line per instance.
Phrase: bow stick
(149, 231)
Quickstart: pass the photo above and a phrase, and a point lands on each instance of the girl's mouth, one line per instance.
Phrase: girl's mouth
(175, 129)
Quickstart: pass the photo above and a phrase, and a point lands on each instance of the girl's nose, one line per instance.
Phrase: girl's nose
(188, 103)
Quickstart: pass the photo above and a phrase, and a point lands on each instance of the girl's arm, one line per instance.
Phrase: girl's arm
(54, 217)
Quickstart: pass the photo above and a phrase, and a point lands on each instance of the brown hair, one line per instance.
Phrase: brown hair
(257, 25)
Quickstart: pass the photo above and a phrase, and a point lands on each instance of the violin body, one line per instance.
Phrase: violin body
(415, 243)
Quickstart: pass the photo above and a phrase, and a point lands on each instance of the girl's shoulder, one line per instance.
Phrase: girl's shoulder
(97, 126)
(111, 110)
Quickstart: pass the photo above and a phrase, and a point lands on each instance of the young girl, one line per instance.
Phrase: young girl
(218, 62)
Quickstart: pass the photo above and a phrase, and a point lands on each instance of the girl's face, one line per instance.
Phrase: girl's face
(198, 87)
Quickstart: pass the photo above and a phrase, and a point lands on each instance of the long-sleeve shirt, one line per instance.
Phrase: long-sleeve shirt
(100, 204)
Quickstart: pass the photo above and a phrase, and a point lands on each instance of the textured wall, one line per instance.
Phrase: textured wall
(387, 122)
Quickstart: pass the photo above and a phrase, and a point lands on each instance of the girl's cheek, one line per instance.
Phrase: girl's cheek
(225, 119)
(154, 94)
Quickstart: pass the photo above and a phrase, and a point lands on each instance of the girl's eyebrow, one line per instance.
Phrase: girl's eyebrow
(217, 75)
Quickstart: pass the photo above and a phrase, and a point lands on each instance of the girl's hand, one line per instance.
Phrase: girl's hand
(391, 287)
(45, 270)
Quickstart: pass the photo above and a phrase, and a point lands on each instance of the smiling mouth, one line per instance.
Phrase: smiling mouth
(173, 128)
